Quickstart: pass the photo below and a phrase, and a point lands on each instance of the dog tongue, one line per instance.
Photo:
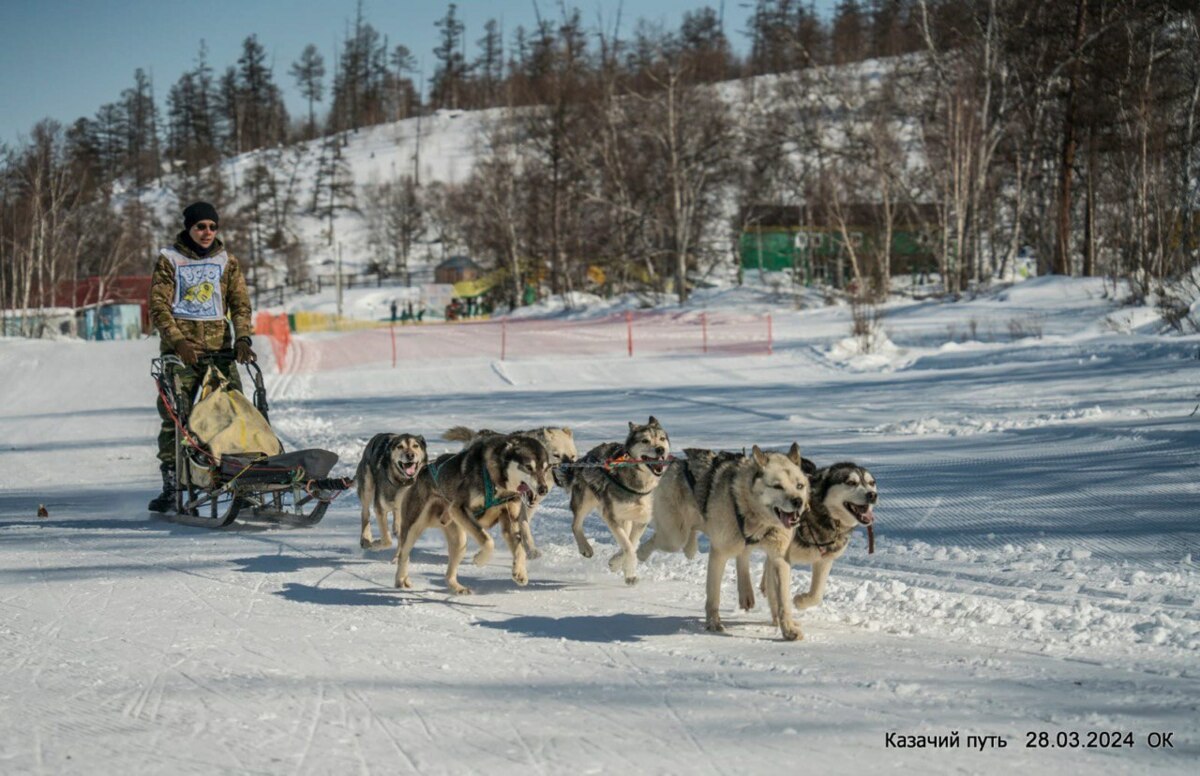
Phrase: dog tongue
(868, 517)
(410, 470)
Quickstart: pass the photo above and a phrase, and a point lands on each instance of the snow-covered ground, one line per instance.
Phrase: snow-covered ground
(1035, 573)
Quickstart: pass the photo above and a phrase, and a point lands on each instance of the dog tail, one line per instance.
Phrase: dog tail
(459, 434)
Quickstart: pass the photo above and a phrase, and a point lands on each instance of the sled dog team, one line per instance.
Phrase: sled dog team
(779, 503)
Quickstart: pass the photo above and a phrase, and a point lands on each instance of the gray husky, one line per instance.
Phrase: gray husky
(389, 465)
(843, 497)
(742, 503)
(560, 445)
(458, 491)
(621, 493)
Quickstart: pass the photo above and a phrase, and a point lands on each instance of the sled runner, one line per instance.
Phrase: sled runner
(229, 464)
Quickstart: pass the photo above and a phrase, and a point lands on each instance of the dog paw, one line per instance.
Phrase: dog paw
(533, 553)
(631, 580)
(365, 543)
(791, 632)
(804, 601)
(483, 556)
(404, 582)
(746, 600)
(616, 561)
(521, 578)
(460, 590)
(585, 550)
(714, 625)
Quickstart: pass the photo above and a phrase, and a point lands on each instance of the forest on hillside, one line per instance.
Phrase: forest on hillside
(1066, 128)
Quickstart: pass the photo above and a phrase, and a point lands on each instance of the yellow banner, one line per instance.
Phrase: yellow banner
(466, 289)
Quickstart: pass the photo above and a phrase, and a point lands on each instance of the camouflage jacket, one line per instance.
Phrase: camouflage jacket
(204, 335)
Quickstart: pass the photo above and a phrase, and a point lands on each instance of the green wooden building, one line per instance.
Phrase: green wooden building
(810, 241)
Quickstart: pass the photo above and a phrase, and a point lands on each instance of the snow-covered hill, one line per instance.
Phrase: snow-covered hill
(440, 147)
(444, 146)
(1036, 568)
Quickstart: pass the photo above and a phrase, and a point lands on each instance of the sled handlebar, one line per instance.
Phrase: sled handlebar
(158, 369)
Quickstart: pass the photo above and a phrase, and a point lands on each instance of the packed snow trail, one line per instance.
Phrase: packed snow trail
(1035, 573)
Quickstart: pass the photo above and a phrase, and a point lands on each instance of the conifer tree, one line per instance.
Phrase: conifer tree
(309, 70)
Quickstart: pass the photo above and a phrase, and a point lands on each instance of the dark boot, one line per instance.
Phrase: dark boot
(165, 501)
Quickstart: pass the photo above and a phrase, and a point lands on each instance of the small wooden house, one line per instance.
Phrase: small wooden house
(456, 269)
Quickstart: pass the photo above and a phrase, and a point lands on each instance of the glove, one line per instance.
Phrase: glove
(243, 351)
(186, 352)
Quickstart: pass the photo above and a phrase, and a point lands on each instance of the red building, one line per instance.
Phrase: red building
(126, 289)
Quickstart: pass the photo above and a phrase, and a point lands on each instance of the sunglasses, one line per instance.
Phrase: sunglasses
(205, 227)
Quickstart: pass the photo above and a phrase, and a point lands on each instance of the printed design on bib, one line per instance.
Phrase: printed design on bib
(199, 295)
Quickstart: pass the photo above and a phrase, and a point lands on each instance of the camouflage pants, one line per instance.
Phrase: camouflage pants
(189, 380)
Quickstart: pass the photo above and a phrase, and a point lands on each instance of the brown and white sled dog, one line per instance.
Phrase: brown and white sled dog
(389, 465)
(742, 503)
(620, 493)
(843, 497)
(560, 445)
(456, 490)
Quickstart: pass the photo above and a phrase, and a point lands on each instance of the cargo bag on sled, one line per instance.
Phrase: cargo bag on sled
(228, 424)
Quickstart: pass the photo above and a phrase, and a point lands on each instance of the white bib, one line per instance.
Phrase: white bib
(198, 294)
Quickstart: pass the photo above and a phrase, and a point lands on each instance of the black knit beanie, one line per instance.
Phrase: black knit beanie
(198, 211)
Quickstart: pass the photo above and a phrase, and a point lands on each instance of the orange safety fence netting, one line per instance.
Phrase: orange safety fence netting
(276, 328)
(625, 334)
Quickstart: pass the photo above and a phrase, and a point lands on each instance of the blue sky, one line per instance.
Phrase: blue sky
(65, 58)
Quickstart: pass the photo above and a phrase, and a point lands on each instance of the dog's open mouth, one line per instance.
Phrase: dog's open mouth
(863, 513)
(526, 494)
(789, 519)
(410, 469)
(658, 468)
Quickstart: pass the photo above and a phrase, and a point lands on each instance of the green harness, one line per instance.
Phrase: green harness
(489, 489)
(489, 496)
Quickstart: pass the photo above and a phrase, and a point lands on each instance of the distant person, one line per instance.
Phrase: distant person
(196, 290)
(394, 309)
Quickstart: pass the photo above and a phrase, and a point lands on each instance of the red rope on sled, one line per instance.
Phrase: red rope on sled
(187, 436)
(195, 445)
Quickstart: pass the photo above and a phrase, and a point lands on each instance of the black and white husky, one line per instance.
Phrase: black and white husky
(844, 497)
(559, 442)
(458, 491)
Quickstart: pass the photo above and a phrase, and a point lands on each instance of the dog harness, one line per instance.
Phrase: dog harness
(811, 541)
(839, 536)
(741, 521)
(489, 488)
(718, 459)
(489, 496)
(621, 453)
(490, 499)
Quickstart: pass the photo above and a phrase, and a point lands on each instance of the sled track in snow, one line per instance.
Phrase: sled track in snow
(1066, 492)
